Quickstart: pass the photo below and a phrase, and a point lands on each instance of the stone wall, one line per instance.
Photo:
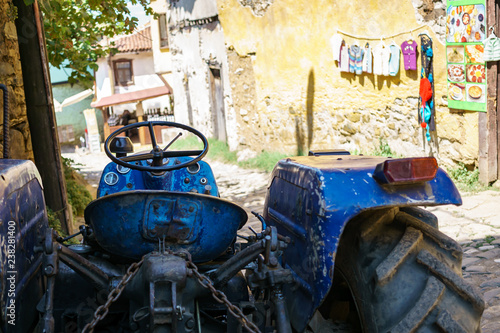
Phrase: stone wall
(289, 95)
(11, 76)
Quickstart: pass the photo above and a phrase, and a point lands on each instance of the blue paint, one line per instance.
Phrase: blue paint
(311, 199)
(177, 180)
(129, 217)
(129, 224)
(22, 219)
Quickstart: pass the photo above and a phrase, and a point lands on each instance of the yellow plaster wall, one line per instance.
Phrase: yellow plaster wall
(291, 42)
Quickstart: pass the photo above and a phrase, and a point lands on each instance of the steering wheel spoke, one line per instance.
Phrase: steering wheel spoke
(157, 154)
(137, 157)
(181, 153)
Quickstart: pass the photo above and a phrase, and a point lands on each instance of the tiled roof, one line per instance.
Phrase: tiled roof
(140, 40)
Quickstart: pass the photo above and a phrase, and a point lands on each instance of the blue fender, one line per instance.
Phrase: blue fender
(22, 219)
(311, 199)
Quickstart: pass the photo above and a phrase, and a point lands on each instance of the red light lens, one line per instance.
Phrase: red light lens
(406, 170)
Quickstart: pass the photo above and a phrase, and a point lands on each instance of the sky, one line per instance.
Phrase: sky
(138, 11)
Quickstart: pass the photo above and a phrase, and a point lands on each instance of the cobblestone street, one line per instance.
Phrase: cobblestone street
(475, 224)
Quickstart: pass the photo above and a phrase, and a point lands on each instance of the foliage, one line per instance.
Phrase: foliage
(219, 150)
(73, 29)
(465, 179)
(54, 222)
(488, 239)
(383, 149)
(78, 196)
(263, 161)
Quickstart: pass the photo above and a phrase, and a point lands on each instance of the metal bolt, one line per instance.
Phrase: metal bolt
(186, 180)
(273, 261)
(190, 324)
(203, 181)
(49, 269)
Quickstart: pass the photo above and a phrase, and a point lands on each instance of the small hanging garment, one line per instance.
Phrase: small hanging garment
(367, 59)
(491, 48)
(394, 60)
(386, 57)
(355, 59)
(379, 55)
(336, 43)
(409, 49)
(344, 58)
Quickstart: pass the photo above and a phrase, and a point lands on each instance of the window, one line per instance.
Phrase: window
(123, 72)
(162, 28)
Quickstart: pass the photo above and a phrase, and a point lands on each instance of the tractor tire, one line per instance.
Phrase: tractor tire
(401, 275)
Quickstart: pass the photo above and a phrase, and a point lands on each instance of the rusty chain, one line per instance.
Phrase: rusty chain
(220, 297)
(203, 280)
(114, 294)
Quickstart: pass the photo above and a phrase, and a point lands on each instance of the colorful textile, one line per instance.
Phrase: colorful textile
(355, 59)
(336, 43)
(394, 60)
(409, 49)
(367, 59)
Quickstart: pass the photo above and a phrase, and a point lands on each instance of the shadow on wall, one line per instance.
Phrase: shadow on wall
(299, 132)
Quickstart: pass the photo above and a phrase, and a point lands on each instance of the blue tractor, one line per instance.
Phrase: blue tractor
(343, 248)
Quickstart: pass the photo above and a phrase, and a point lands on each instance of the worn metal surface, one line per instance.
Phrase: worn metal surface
(311, 199)
(124, 223)
(181, 180)
(22, 219)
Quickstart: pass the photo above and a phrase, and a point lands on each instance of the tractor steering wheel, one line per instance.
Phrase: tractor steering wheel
(157, 154)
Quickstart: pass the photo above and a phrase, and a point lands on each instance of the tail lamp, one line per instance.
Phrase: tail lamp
(406, 170)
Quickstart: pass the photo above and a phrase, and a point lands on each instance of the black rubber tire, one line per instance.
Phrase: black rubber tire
(403, 276)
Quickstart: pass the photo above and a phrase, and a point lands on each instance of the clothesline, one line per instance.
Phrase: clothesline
(380, 38)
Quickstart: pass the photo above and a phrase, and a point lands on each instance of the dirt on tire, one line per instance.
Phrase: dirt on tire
(403, 275)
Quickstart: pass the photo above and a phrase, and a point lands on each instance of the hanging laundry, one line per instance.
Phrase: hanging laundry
(367, 59)
(394, 60)
(491, 48)
(344, 58)
(409, 49)
(336, 42)
(355, 59)
(379, 52)
(426, 108)
(386, 57)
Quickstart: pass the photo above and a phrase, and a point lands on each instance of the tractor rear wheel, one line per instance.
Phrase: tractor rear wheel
(395, 272)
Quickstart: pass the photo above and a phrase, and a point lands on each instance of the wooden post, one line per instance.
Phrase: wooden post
(40, 109)
(488, 127)
(497, 120)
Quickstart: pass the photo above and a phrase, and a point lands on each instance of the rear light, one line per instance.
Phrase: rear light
(406, 170)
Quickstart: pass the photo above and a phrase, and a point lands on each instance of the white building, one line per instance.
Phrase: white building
(128, 80)
(200, 81)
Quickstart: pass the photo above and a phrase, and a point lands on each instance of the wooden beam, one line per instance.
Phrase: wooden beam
(40, 110)
(497, 29)
(488, 137)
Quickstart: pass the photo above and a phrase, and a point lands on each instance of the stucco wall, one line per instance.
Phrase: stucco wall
(11, 76)
(289, 94)
(195, 48)
(73, 114)
(144, 77)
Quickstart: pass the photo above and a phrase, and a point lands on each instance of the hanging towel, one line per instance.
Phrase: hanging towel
(344, 58)
(367, 59)
(336, 43)
(394, 60)
(409, 49)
